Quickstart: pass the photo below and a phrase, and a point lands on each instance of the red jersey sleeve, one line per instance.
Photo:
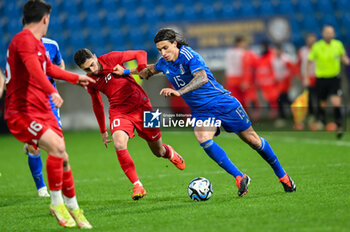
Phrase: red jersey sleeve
(29, 56)
(138, 55)
(98, 108)
(56, 72)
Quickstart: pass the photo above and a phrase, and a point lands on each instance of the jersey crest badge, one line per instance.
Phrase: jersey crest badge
(182, 70)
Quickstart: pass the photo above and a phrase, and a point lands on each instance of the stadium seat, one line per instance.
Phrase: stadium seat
(109, 5)
(90, 6)
(266, 8)
(70, 7)
(296, 36)
(73, 22)
(171, 16)
(76, 40)
(116, 37)
(310, 24)
(95, 39)
(247, 10)
(324, 6)
(285, 7)
(112, 21)
(209, 13)
(343, 5)
(92, 22)
(305, 7)
(228, 11)
(330, 19)
(190, 14)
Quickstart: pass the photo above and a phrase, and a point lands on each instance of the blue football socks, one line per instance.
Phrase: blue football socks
(36, 167)
(215, 152)
(269, 156)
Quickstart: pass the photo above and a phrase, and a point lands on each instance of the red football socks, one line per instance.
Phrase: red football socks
(167, 151)
(68, 189)
(127, 165)
(54, 169)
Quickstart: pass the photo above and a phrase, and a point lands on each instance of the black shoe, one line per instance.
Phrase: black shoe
(288, 184)
(242, 184)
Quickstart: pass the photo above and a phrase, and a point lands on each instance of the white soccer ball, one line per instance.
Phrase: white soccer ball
(200, 189)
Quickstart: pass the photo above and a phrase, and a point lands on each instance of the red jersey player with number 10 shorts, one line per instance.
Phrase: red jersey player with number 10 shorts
(127, 102)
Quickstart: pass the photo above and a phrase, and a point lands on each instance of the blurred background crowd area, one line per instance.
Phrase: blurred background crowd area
(210, 27)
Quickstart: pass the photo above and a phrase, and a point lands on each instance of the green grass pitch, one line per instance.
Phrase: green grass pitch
(318, 163)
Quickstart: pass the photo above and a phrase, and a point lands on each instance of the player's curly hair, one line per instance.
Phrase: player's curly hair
(170, 35)
(82, 55)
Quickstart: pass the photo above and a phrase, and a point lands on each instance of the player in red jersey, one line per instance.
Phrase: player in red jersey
(28, 113)
(127, 102)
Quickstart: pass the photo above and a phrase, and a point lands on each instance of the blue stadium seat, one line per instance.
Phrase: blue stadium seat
(247, 10)
(171, 15)
(324, 6)
(132, 20)
(76, 40)
(266, 8)
(90, 7)
(285, 7)
(330, 19)
(109, 5)
(129, 5)
(112, 21)
(168, 4)
(151, 17)
(310, 24)
(70, 7)
(228, 11)
(190, 14)
(343, 5)
(209, 13)
(305, 7)
(296, 36)
(14, 26)
(11, 10)
(116, 38)
(92, 22)
(73, 22)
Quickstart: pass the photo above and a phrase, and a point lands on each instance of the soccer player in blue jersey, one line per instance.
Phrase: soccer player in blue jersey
(34, 155)
(192, 80)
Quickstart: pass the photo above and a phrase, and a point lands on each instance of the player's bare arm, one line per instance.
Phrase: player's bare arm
(148, 72)
(306, 77)
(62, 65)
(199, 79)
(345, 59)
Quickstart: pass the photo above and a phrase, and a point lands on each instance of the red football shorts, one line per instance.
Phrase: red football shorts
(134, 120)
(29, 129)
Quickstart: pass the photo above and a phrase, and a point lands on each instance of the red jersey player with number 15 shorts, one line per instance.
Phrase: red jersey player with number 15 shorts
(127, 102)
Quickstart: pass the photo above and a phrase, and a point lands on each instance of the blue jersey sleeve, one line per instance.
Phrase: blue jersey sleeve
(159, 65)
(195, 64)
(57, 59)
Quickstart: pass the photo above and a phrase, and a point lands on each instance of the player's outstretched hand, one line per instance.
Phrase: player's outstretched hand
(57, 100)
(167, 92)
(119, 70)
(85, 80)
(105, 139)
